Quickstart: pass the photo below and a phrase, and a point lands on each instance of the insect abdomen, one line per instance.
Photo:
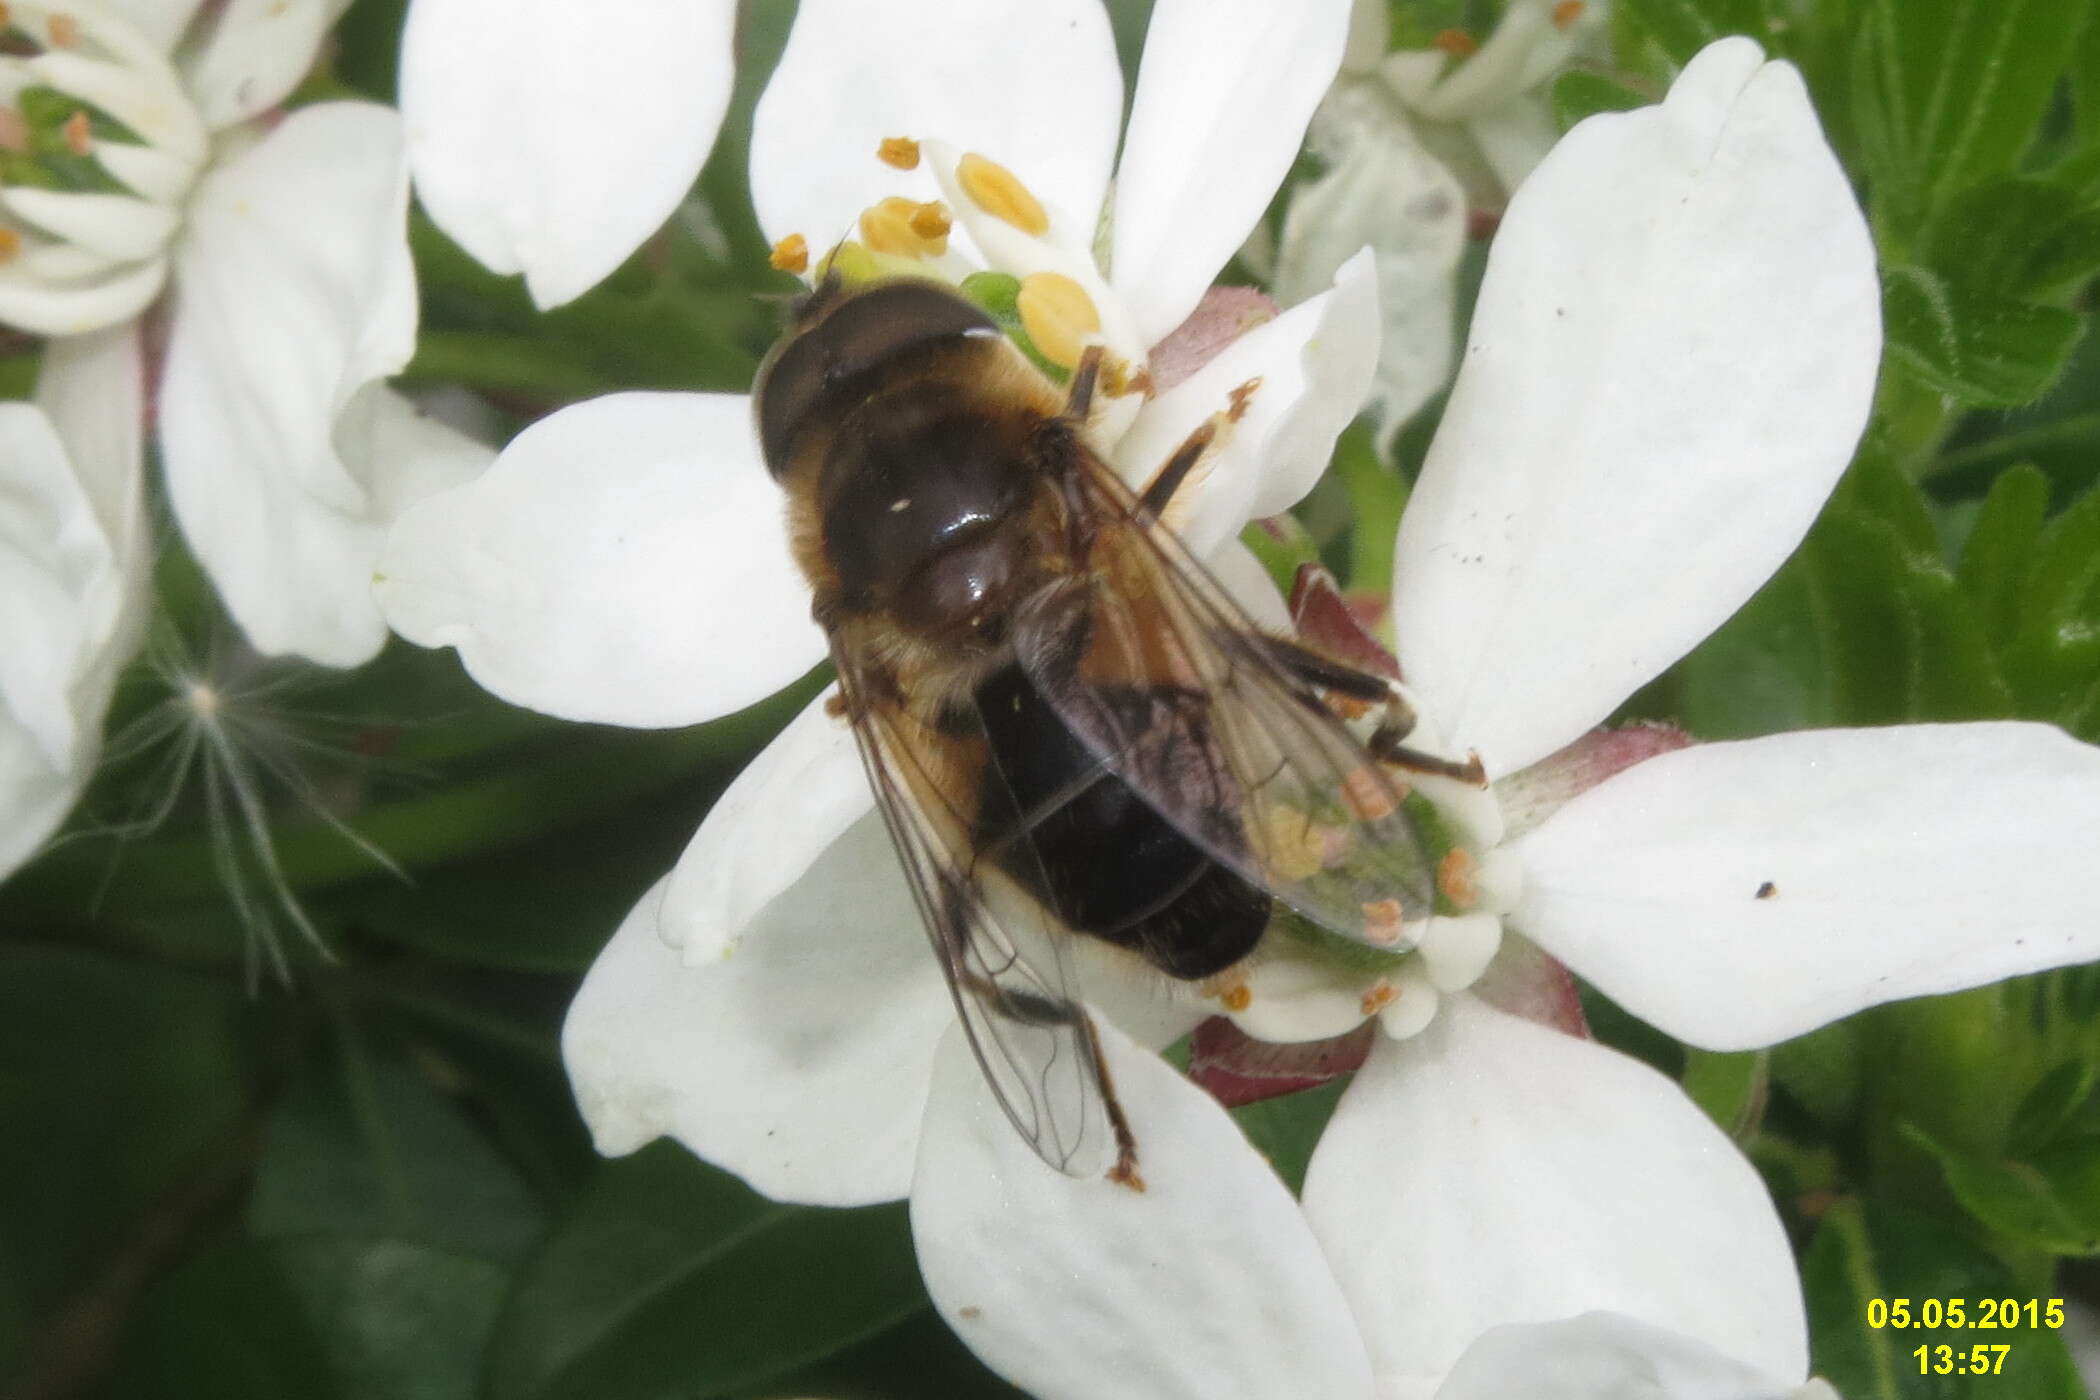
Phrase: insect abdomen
(1094, 852)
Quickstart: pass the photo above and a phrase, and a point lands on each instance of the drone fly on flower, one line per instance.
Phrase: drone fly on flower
(1070, 727)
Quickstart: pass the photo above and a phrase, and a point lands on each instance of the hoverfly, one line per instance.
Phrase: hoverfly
(1069, 726)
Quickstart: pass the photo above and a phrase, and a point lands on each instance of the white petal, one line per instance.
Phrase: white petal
(294, 291)
(403, 453)
(1032, 84)
(256, 53)
(1311, 369)
(550, 140)
(1383, 189)
(41, 305)
(1247, 579)
(65, 595)
(1601, 1356)
(1903, 861)
(114, 226)
(1205, 1285)
(94, 389)
(800, 1064)
(783, 811)
(1491, 1171)
(624, 561)
(1224, 94)
(161, 21)
(1660, 389)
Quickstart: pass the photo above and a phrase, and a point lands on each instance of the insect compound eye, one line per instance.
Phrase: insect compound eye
(861, 332)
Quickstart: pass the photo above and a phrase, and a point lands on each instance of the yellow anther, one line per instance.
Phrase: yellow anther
(1455, 42)
(77, 136)
(1378, 996)
(897, 227)
(1000, 193)
(1058, 316)
(1454, 877)
(1230, 988)
(1382, 921)
(900, 151)
(791, 254)
(1567, 12)
(1297, 845)
(931, 221)
(1368, 795)
(6, 17)
(14, 132)
(65, 31)
(10, 244)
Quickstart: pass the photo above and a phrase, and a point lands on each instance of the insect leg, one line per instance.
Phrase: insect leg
(1395, 722)
(1167, 480)
(1175, 470)
(1079, 398)
(1124, 1172)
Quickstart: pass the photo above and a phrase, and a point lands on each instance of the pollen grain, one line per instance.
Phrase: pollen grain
(905, 228)
(1454, 877)
(791, 254)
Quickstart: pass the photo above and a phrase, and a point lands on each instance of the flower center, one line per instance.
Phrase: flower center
(1027, 267)
(99, 145)
(1308, 982)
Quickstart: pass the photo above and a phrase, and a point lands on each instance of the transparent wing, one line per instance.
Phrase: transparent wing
(1003, 953)
(1155, 667)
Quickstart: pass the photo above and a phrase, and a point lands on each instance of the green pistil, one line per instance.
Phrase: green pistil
(998, 294)
(50, 163)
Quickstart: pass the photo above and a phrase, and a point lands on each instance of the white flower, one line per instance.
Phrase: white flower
(73, 564)
(1662, 384)
(625, 560)
(141, 159)
(1412, 147)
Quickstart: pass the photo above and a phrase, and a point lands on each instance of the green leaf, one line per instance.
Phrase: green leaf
(1285, 1129)
(1822, 1071)
(1762, 672)
(2048, 1203)
(1866, 1251)
(1899, 639)
(1730, 1087)
(1948, 93)
(361, 1319)
(1974, 347)
(2000, 552)
(2014, 237)
(2053, 663)
(1578, 94)
(673, 1278)
(119, 1082)
(1683, 27)
(2049, 1105)
(366, 1145)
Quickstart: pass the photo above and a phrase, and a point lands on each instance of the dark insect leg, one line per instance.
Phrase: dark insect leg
(1162, 487)
(1321, 669)
(1079, 398)
(1395, 723)
(1124, 1172)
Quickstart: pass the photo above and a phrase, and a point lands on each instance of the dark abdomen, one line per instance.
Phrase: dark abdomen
(1091, 849)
